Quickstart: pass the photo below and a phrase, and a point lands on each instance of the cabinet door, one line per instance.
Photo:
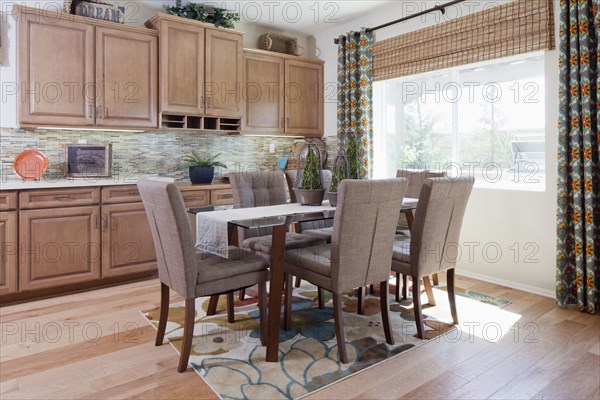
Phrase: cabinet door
(9, 248)
(59, 246)
(127, 78)
(56, 72)
(303, 98)
(223, 83)
(127, 245)
(182, 68)
(263, 94)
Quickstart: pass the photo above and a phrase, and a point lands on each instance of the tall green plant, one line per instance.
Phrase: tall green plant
(353, 154)
(339, 174)
(311, 179)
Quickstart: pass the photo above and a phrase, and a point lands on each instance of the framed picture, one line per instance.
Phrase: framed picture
(88, 160)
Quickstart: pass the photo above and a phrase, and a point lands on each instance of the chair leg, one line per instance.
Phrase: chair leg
(385, 311)
(212, 305)
(416, 292)
(188, 334)
(452, 295)
(287, 309)
(164, 314)
(361, 300)
(262, 311)
(436, 279)
(339, 327)
(242, 294)
(404, 287)
(320, 298)
(397, 287)
(298, 281)
(230, 313)
(429, 291)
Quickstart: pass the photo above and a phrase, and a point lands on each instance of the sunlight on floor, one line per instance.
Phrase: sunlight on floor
(477, 319)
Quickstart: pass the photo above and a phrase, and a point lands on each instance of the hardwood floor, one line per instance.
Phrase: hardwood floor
(97, 345)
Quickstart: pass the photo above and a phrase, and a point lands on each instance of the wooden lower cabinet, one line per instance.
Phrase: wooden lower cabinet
(9, 247)
(59, 247)
(127, 245)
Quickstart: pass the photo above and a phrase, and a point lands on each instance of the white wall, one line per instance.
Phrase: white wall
(137, 13)
(495, 218)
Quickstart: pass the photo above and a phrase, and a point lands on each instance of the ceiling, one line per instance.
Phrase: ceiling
(302, 16)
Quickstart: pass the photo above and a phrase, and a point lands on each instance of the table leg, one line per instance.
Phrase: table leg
(409, 218)
(275, 289)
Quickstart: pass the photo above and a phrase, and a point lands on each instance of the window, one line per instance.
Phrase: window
(486, 120)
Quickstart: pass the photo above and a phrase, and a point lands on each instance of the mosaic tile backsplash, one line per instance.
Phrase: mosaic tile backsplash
(155, 152)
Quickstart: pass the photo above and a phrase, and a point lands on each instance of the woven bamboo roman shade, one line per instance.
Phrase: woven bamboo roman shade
(517, 27)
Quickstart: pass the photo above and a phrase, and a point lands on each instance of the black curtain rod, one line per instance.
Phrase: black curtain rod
(441, 8)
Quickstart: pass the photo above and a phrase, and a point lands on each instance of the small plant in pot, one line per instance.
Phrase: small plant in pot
(309, 183)
(201, 169)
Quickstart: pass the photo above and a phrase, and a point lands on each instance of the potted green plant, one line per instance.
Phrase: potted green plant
(340, 172)
(353, 154)
(201, 169)
(309, 190)
(220, 17)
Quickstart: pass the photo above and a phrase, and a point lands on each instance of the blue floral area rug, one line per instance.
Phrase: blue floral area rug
(230, 358)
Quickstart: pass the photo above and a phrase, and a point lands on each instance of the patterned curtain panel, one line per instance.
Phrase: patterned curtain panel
(355, 94)
(578, 217)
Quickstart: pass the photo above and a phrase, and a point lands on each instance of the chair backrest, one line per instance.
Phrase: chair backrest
(290, 177)
(436, 226)
(363, 231)
(172, 235)
(416, 179)
(257, 188)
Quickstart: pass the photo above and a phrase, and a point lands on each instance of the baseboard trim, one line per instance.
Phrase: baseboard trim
(507, 283)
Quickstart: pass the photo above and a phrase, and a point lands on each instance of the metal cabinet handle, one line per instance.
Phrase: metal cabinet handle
(106, 220)
(97, 221)
(134, 194)
(283, 122)
(91, 111)
(201, 101)
(64, 198)
(209, 102)
(100, 112)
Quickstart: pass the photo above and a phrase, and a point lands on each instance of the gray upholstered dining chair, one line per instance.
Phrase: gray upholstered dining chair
(360, 252)
(415, 182)
(257, 189)
(189, 272)
(435, 236)
(320, 229)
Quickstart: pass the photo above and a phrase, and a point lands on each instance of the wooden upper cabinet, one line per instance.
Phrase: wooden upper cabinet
(182, 68)
(263, 94)
(223, 66)
(303, 98)
(56, 71)
(127, 78)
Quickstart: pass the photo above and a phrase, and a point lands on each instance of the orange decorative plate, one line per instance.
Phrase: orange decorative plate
(30, 165)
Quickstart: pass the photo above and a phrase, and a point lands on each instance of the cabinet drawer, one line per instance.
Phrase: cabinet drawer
(221, 197)
(196, 198)
(51, 198)
(120, 194)
(8, 201)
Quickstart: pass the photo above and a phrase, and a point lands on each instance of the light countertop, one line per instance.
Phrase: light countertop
(13, 183)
